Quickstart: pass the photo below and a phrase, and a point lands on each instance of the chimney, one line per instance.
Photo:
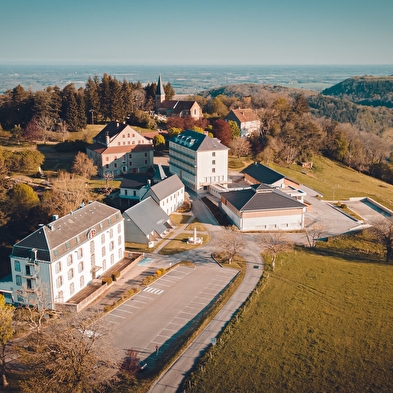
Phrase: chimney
(55, 217)
(107, 139)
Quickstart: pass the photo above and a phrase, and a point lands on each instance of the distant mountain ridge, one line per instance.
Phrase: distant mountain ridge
(364, 90)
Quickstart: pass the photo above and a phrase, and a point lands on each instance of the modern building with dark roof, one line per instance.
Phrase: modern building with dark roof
(146, 223)
(262, 207)
(119, 149)
(65, 255)
(198, 160)
(258, 173)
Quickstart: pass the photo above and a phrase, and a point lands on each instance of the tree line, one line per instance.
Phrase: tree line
(101, 100)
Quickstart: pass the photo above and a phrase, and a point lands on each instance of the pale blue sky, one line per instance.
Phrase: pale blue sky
(197, 32)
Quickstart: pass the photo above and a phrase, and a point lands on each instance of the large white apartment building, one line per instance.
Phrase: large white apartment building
(198, 160)
(65, 255)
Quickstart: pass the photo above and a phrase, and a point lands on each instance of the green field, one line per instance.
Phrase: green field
(322, 322)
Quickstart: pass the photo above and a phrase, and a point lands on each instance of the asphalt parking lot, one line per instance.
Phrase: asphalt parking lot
(160, 313)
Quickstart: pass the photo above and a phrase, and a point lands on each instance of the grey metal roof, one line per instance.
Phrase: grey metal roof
(166, 187)
(68, 232)
(262, 173)
(261, 198)
(148, 216)
(198, 142)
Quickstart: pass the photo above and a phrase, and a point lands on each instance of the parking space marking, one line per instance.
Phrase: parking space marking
(120, 309)
(117, 316)
(153, 290)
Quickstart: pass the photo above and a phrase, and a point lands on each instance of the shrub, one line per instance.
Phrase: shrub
(107, 280)
(115, 275)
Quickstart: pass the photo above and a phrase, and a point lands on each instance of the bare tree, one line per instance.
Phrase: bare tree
(240, 147)
(383, 230)
(68, 193)
(73, 355)
(108, 176)
(6, 332)
(230, 243)
(84, 166)
(314, 232)
(275, 243)
(36, 301)
(45, 124)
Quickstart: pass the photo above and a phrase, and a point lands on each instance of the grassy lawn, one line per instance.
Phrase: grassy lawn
(180, 219)
(179, 244)
(322, 322)
(335, 181)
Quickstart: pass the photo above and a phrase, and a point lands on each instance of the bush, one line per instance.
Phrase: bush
(158, 273)
(107, 280)
(115, 275)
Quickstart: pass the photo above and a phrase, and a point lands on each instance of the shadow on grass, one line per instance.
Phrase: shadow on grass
(356, 256)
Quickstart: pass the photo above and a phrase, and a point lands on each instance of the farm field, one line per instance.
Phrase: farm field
(322, 322)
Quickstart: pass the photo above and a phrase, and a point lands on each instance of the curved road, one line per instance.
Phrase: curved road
(170, 379)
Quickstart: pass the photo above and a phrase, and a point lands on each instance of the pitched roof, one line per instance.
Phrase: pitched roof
(262, 173)
(167, 187)
(245, 115)
(198, 142)
(148, 216)
(101, 149)
(261, 197)
(160, 87)
(135, 181)
(177, 106)
(111, 129)
(65, 233)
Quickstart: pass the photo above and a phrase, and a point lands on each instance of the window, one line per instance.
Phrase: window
(130, 156)
(80, 253)
(59, 281)
(214, 170)
(130, 163)
(70, 274)
(60, 297)
(58, 267)
(80, 267)
(92, 248)
(103, 238)
(107, 159)
(214, 154)
(111, 233)
(68, 245)
(69, 260)
(106, 166)
(104, 264)
(17, 266)
(213, 162)
(72, 288)
(18, 280)
(112, 259)
(29, 283)
(82, 281)
(145, 154)
(115, 165)
(28, 273)
(120, 253)
(145, 162)
(111, 245)
(119, 241)
(103, 251)
(118, 228)
(125, 192)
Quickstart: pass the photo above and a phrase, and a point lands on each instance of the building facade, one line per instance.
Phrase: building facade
(198, 160)
(119, 149)
(246, 119)
(64, 256)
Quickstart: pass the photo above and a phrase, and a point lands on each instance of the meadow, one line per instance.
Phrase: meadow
(321, 322)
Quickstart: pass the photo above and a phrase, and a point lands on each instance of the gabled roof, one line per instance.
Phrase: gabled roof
(135, 181)
(68, 232)
(198, 142)
(262, 173)
(148, 216)
(177, 106)
(261, 197)
(245, 115)
(111, 129)
(166, 187)
(101, 149)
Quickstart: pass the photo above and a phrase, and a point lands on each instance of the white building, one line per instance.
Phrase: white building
(65, 255)
(198, 160)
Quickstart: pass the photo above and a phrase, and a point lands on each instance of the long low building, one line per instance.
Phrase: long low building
(261, 207)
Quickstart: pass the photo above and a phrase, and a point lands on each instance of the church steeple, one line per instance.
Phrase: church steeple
(160, 92)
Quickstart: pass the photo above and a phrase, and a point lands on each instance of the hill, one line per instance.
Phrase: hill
(364, 90)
